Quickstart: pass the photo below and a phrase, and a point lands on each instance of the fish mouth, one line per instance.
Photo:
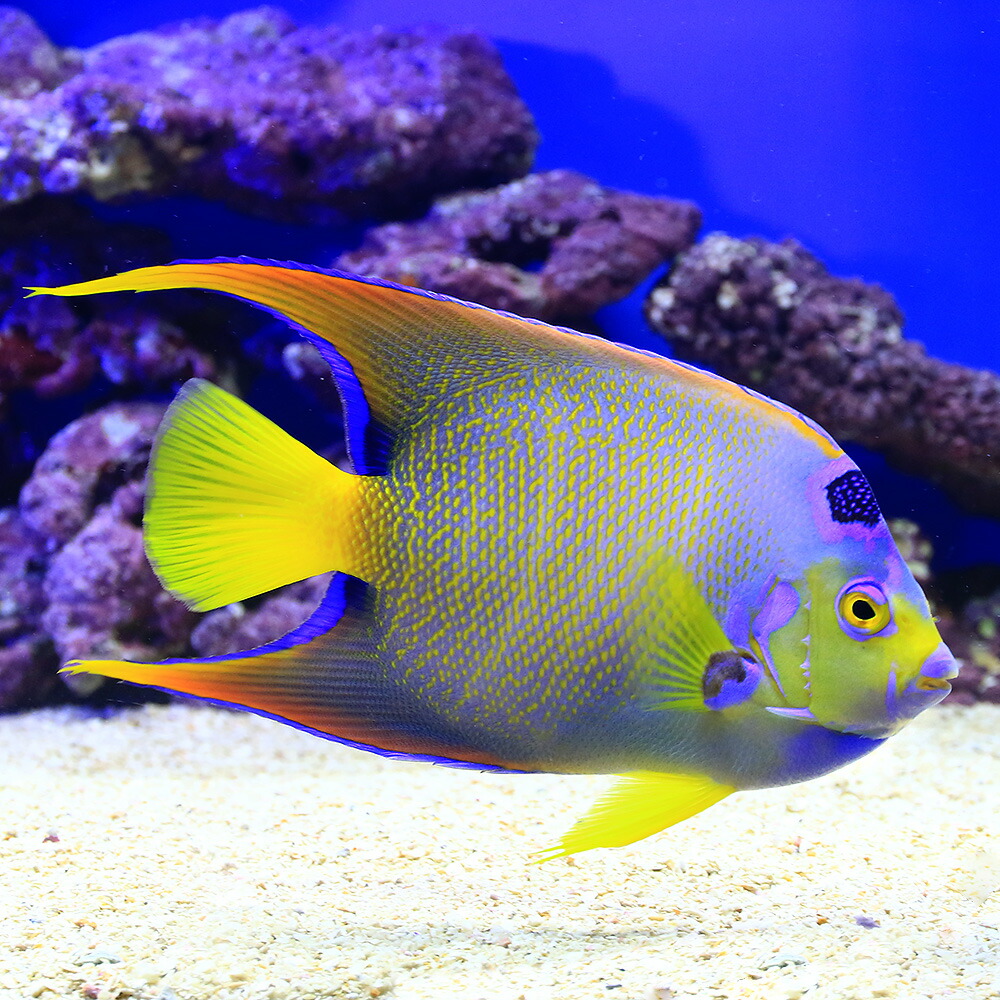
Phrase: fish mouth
(939, 668)
(931, 684)
(926, 689)
(935, 673)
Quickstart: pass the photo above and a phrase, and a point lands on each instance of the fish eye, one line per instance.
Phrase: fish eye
(863, 609)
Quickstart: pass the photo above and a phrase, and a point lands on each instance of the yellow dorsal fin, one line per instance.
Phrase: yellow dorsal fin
(407, 348)
(640, 804)
(235, 506)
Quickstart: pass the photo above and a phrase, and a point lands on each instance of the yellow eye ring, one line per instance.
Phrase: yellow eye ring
(864, 609)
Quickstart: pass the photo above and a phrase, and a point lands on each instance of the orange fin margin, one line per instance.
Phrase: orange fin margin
(406, 346)
(328, 680)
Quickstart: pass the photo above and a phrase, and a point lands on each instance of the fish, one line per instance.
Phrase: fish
(550, 553)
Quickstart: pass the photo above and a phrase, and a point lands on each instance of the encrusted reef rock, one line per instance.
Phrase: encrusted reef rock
(247, 624)
(29, 62)
(256, 112)
(27, 656)
(771, 317)
(75, 578)
(85, 466)
(52, 348)
(586, 245)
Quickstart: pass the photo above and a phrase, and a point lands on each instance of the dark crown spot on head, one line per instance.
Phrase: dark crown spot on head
(851, 499)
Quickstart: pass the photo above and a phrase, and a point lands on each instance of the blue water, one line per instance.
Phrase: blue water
(866, 129)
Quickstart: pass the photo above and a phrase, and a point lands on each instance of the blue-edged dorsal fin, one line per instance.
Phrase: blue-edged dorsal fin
(394, 351)
(397, 351)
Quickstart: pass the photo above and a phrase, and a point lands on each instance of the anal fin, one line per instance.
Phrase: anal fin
(640, 804)
(326, 677)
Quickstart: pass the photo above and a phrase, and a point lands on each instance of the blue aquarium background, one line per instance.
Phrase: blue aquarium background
(867, 131)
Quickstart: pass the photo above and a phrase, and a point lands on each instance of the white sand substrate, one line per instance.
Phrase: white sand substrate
(188, 853)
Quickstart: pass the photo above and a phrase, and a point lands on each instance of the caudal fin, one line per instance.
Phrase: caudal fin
(236, 506)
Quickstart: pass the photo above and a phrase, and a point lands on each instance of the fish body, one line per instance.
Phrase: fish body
(555, 667)
(555, 554)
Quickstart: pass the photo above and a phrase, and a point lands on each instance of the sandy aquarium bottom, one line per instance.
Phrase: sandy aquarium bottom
(189, 853)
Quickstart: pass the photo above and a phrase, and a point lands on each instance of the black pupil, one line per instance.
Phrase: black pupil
(863, 610)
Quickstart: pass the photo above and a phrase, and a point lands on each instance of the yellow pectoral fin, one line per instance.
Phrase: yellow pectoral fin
(679, 638)
(640, 804)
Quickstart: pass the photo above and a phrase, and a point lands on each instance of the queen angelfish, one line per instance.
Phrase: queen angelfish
(553, 553)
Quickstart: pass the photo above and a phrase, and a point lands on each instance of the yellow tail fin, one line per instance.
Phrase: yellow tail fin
(236, 506)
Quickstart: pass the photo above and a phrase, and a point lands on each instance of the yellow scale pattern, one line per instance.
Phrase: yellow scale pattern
(520, 523)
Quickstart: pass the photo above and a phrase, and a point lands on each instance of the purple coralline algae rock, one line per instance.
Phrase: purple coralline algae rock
(82, 467)
(57, 349)
(593, 244)
(252, 623)
(56, 346)
(771, 317)
(78, 525)
(29, 62)
(53, 347)
(251, 110)
(27, 656)
(104, 599)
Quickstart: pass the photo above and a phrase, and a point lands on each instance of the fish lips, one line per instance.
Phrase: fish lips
(940, 665)
(926, 689)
